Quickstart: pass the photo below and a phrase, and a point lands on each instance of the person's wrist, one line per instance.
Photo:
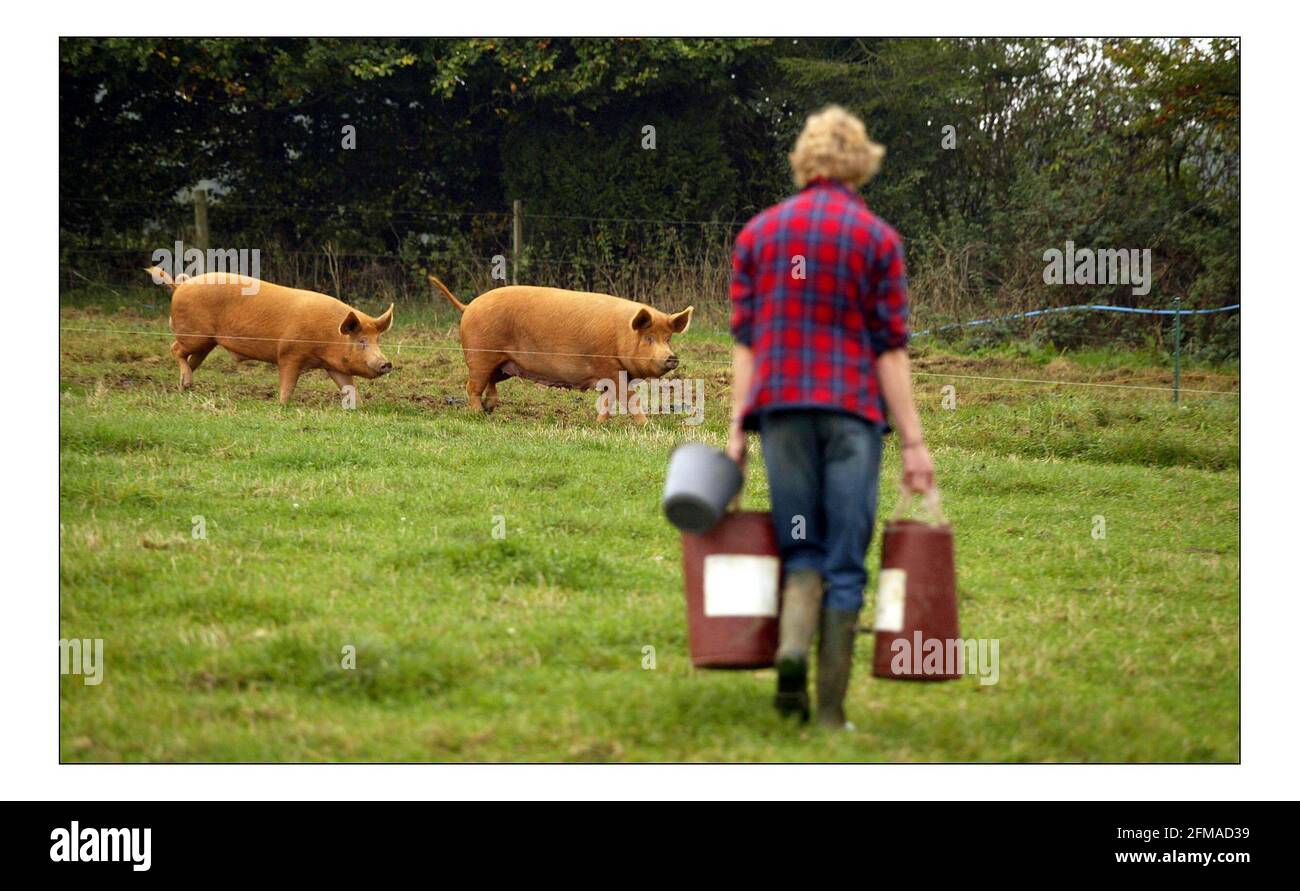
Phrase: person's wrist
(914, 443)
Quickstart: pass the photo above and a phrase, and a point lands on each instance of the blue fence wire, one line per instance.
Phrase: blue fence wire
(1081, 307)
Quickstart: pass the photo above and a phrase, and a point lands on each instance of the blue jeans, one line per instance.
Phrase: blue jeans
(823, 468)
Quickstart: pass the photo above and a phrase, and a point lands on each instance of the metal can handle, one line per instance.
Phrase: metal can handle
(931, 503)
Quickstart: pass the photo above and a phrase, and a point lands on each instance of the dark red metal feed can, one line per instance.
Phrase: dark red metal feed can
(917, 637)
(733, 591)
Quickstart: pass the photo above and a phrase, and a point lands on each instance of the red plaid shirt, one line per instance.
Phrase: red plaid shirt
(818, 290)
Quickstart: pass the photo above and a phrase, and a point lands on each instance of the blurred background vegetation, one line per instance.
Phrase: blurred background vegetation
(1118, 144)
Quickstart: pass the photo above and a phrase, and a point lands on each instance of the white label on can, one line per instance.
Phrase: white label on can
(891, 597)
(740, 585)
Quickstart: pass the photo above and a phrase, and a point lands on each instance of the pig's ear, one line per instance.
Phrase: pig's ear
(682, 320)
(383, 323)
(642, 319)
(351, 325)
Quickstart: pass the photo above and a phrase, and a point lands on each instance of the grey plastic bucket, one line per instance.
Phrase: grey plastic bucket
(701, 483)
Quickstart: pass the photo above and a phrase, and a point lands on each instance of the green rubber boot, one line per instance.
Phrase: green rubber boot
(834, 665)
(801, 604)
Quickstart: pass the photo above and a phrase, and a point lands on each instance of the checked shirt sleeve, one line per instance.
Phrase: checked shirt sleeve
(887, 312)
(742, 290)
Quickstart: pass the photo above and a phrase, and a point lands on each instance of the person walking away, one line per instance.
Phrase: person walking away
(819, 318)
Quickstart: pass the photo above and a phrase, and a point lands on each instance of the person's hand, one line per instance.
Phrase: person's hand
(737, 444)
(918, 469)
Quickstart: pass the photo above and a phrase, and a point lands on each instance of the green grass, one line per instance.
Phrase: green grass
(373, 529)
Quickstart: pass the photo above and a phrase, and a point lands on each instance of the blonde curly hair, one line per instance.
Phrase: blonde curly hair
(835, 144)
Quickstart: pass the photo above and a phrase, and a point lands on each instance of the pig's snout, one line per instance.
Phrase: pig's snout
(671, 362)
(384, 367)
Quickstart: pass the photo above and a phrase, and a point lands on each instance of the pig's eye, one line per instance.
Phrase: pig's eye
(361, 342)
(649, 339)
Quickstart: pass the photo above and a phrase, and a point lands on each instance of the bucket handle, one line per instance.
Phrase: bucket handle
(734, 504)
(931, 504)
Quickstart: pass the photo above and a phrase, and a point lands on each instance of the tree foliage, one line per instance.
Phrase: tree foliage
(997, 149)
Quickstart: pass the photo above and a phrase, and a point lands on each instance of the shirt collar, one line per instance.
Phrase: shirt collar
(825, 182)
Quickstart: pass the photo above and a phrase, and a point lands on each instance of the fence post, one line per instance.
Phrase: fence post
(1178, 345)
(516, 240)
(201, 220)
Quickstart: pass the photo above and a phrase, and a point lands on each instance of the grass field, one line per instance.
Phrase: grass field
(372, 529)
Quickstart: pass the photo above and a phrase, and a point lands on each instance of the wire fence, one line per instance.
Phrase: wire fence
(343, 210)
(643, 258)
(699, 277)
